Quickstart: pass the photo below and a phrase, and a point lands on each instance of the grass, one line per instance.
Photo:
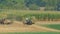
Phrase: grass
(32, 33)
(54, 26)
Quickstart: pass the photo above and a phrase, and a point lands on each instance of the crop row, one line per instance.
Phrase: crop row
(38, 16)
(45, 16)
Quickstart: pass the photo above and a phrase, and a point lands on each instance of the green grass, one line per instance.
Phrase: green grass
(54, 26)
(32, 33)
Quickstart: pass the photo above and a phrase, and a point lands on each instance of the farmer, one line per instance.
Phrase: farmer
(28, 21)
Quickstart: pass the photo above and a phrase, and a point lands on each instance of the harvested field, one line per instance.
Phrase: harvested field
(20, 27)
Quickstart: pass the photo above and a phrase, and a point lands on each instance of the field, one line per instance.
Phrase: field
(39, 15)
(54, 26)
(17, 16)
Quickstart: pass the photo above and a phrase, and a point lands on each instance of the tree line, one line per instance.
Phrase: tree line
(31, 4)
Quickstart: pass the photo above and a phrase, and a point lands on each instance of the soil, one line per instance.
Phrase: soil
(20, 27)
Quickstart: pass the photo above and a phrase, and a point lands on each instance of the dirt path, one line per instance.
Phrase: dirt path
(46, 29)
(47, 22)
(20, 27)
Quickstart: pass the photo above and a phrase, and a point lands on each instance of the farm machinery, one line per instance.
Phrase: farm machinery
(5, 21)
(28, 21)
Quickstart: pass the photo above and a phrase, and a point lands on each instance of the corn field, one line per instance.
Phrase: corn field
(19, 15)
(45, 16)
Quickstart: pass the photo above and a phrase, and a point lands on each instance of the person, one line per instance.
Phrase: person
(28, 21)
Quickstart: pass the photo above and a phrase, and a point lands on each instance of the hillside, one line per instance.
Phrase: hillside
(31, 4)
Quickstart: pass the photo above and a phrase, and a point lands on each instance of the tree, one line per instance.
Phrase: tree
(34, 7)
